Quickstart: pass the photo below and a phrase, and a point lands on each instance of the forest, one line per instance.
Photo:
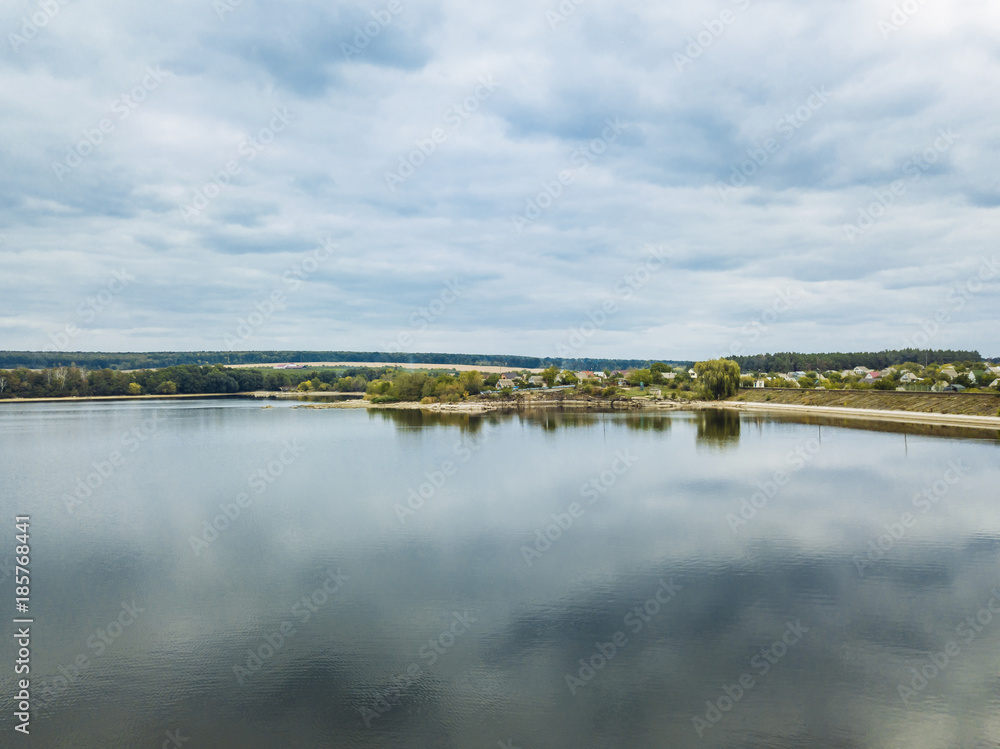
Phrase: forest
(157, 359)
(185, 379)
(794, 362)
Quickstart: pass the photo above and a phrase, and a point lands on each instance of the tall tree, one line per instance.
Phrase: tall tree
(719, 378)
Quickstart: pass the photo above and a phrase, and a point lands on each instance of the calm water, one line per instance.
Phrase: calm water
(544, 581)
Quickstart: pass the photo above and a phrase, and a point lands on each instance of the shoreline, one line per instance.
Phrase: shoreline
(862, 414)
(82, 398)
(870, 414)
(584, 404)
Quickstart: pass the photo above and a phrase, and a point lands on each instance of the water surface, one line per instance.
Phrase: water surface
(545, 579)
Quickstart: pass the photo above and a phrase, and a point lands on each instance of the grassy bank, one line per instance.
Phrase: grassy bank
(966, 404)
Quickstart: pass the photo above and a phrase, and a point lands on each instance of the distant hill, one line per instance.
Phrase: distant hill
(159, 359)
(780, 362)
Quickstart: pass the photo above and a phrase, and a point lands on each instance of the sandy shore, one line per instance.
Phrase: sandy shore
(478, 407)
(903, 417)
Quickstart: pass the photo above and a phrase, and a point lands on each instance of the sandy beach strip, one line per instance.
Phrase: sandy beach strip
(904, 417)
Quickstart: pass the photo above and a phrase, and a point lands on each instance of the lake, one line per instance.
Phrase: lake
(212, 573)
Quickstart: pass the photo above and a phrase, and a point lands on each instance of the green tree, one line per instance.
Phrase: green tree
(640, 377)
(549, 375)
(471, 382)
(718, 378)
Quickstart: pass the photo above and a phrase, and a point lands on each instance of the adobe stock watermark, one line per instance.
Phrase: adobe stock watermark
(552, 189)
(417, 498)
(174, 739)
(762, 662)
(970, 628)
(958, 298)
(592, 490)
(759, 156)
(89, 309)
(247, 152)
(625, 287)
(95, 137)
(259, 480)
(32, 25)
(929, 496)
(714, 28)
(422, 318)
(454, 117)
(635, 620)
(900, 16)
(224, 7)
(784, 300)
(99, 642)
(435, 648)
(104, 470)
(885, 198)
(562, 13)
(303, 609)
(796, 460)
(265, 309)
(363, 35)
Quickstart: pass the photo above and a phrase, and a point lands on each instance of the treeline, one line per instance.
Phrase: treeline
(186, 379)
(420, 386)
(795, 362)
(159, 359)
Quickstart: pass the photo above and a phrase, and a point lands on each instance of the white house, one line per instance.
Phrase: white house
(861, 370)
(758, 383)
(909, 377)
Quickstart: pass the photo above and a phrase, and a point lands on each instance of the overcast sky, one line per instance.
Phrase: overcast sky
(663, 180)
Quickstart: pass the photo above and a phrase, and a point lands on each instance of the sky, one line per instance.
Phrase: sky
(577, 179)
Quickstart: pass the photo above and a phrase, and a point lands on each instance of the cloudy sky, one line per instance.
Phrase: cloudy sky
(663, 180)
